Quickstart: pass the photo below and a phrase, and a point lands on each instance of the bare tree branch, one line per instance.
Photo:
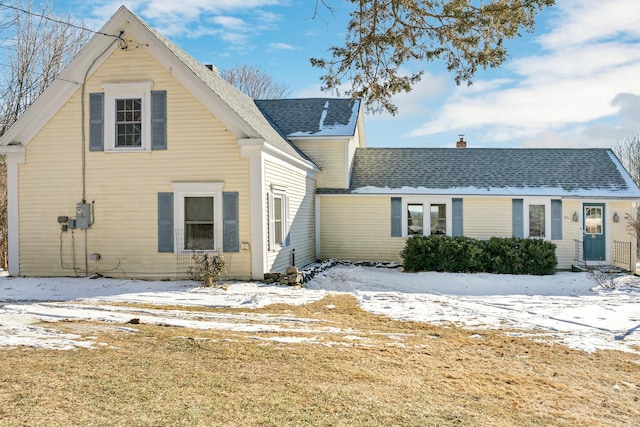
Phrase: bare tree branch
(384, 35)
(254, 82)
(40, 49)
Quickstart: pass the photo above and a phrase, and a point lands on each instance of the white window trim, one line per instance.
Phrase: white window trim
(198, 189)
(127, 90)
(426, 203)
(547, 216)
(280, 191)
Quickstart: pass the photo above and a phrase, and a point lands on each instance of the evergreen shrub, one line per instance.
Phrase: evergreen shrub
(464, 254)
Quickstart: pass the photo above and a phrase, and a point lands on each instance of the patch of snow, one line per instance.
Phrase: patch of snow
(326, 129)
(567, 308)
(502, 191)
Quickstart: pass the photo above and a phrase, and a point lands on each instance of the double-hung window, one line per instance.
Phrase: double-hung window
(128, 126)
(127, 120)
(198, 216)
(198, 223)
(278, 218)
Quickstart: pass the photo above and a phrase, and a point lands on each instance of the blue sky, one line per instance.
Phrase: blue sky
(574, 83)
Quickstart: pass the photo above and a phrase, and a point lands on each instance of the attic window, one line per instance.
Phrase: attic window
(128, 126)
(127, 116)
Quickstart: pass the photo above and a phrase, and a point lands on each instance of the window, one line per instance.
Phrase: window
(198, 223)
(127, 119)
(593, 220)
(536, 219)
(278, 218)
(128, 122)
(422, 216)
(537, 222)
(415, 223)
(278, 210)
(439, 219)
(198, 216)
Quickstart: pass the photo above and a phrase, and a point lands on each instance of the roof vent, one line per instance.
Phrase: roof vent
(461, 143)
(211, 67)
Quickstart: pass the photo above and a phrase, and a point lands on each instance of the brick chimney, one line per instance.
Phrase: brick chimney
(461, 143)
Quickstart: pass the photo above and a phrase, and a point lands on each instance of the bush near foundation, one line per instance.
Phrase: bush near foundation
(467, 255)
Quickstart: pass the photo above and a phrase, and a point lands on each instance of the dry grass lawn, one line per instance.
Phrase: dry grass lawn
(378, 372)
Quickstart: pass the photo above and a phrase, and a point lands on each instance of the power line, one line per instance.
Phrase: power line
(59, 21)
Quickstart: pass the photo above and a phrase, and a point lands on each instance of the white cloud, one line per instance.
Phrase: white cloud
(597, 134)
(174, 18)
(585, 21)
(312, 92)
(281, 46)
(229, 23)
(554, 97)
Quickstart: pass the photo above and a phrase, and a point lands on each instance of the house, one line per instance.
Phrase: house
(580, 199)
(138, 156)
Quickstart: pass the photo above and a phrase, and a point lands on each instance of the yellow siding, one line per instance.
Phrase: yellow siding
(368, 238)
(487, 217)
(566, 248)
(300, 190)
(331, 158)
(124, 186)
(358, 228)
(621, 231)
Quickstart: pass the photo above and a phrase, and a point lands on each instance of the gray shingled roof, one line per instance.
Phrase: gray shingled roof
(312, 116)
(234, 98)
(500, 171)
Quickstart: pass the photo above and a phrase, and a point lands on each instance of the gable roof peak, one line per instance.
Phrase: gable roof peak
(231, 106)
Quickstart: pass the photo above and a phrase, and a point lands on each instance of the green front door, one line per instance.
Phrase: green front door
(594, 232)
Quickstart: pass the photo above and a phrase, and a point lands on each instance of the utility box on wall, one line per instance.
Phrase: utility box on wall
(83, 215)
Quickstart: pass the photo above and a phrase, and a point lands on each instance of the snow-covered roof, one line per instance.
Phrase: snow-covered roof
(592, 172)
(314, 117)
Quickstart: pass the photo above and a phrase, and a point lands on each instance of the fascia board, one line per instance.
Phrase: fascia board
(71, 79)
(187, 77)
(345, 138)
(256, 147)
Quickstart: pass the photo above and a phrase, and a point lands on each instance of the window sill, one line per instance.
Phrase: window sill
(127, 150)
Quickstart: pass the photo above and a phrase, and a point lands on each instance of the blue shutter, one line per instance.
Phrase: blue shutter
(556, 219)
(165, 222)
(230, 238)
(96, 122)
(159, 120)
(517, 218)
(396, 217)
(456, 208)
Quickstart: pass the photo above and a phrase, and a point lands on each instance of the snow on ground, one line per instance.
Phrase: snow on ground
(568, 308)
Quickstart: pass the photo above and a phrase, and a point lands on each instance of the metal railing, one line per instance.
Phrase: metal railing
(622, 255)
(578, 256)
